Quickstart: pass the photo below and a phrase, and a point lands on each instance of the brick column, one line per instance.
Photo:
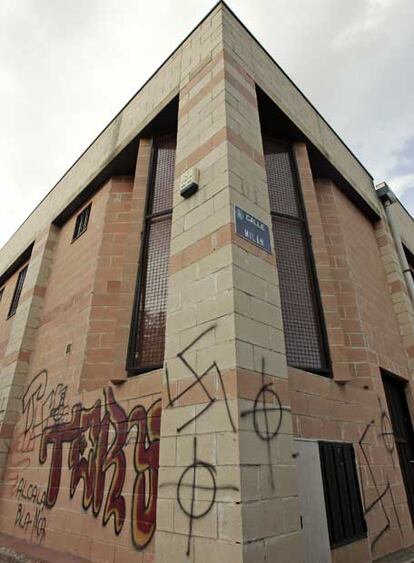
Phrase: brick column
(130, 258)
(360, 358)
(22, 337)
(328, 282)
(99, 363)
(269, 494)
(403, 306)
(227, 479)
(115, 276)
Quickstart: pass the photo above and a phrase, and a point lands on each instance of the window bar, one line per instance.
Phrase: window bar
(17, 292)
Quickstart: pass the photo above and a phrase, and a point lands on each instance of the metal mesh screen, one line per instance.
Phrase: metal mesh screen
(280, 180)
(301, 320)
(152, 314)
(162, 198)
(301, 326)
(150, 342)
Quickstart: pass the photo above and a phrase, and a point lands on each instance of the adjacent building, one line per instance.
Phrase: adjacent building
(207, 332)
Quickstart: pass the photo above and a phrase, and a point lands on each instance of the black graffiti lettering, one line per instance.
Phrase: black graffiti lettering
(31, 399)
(23, 519)
(58, 407)
(20, 489)
(39, 524)
(43, 406)
(30, 492)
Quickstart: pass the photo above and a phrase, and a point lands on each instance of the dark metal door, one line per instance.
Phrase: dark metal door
(403, 433)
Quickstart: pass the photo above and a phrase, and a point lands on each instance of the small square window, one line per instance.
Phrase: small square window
(17, 292)
(82, 222)
(344, 512)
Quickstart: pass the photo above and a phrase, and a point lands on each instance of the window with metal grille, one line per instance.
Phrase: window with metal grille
(82, 222)
(402, 435)
(346, 522)
(17, 292)
(147, 339)
(305, 337)
(410, 260)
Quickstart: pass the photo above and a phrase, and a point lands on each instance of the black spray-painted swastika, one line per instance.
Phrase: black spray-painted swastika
(198, 380)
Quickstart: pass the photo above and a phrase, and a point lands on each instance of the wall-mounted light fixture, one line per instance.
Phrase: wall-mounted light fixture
(189, 182)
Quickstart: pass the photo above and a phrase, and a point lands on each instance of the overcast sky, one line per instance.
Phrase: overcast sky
(67, 67)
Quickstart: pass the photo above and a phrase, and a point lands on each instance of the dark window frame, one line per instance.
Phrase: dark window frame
(302, 220)
(395, 390)
(131, 367)
(18, 288)
(82, 221)
(410, 259)
(338, 517)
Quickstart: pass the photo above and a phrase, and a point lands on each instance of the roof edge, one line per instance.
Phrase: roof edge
(208, 14)
(293, 84)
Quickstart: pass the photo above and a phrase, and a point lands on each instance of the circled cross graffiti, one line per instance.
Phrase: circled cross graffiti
(192, 471)
(267, 433)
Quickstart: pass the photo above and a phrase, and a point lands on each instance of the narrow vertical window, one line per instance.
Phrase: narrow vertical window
(82, 221)
(147, 340)
(17, 292)
(301, 310)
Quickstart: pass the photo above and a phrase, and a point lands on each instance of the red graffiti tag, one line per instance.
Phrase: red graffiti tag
(145, 486)
(90, 462)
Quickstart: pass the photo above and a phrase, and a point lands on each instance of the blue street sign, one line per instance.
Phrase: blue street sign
(252, 229)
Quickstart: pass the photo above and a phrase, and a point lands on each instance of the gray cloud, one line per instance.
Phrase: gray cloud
(66, 68)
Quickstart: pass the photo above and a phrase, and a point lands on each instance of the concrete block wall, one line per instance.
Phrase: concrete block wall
(19, 338)
(327, 278)
(224, 344)
(359, 306)
(402, 304)
(81, 345)
(82, 465)
(267, 465)
(98, 503)
(200, 412)
(111, 302)
(207, 446)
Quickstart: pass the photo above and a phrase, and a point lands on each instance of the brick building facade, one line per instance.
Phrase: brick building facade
(222, 375)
